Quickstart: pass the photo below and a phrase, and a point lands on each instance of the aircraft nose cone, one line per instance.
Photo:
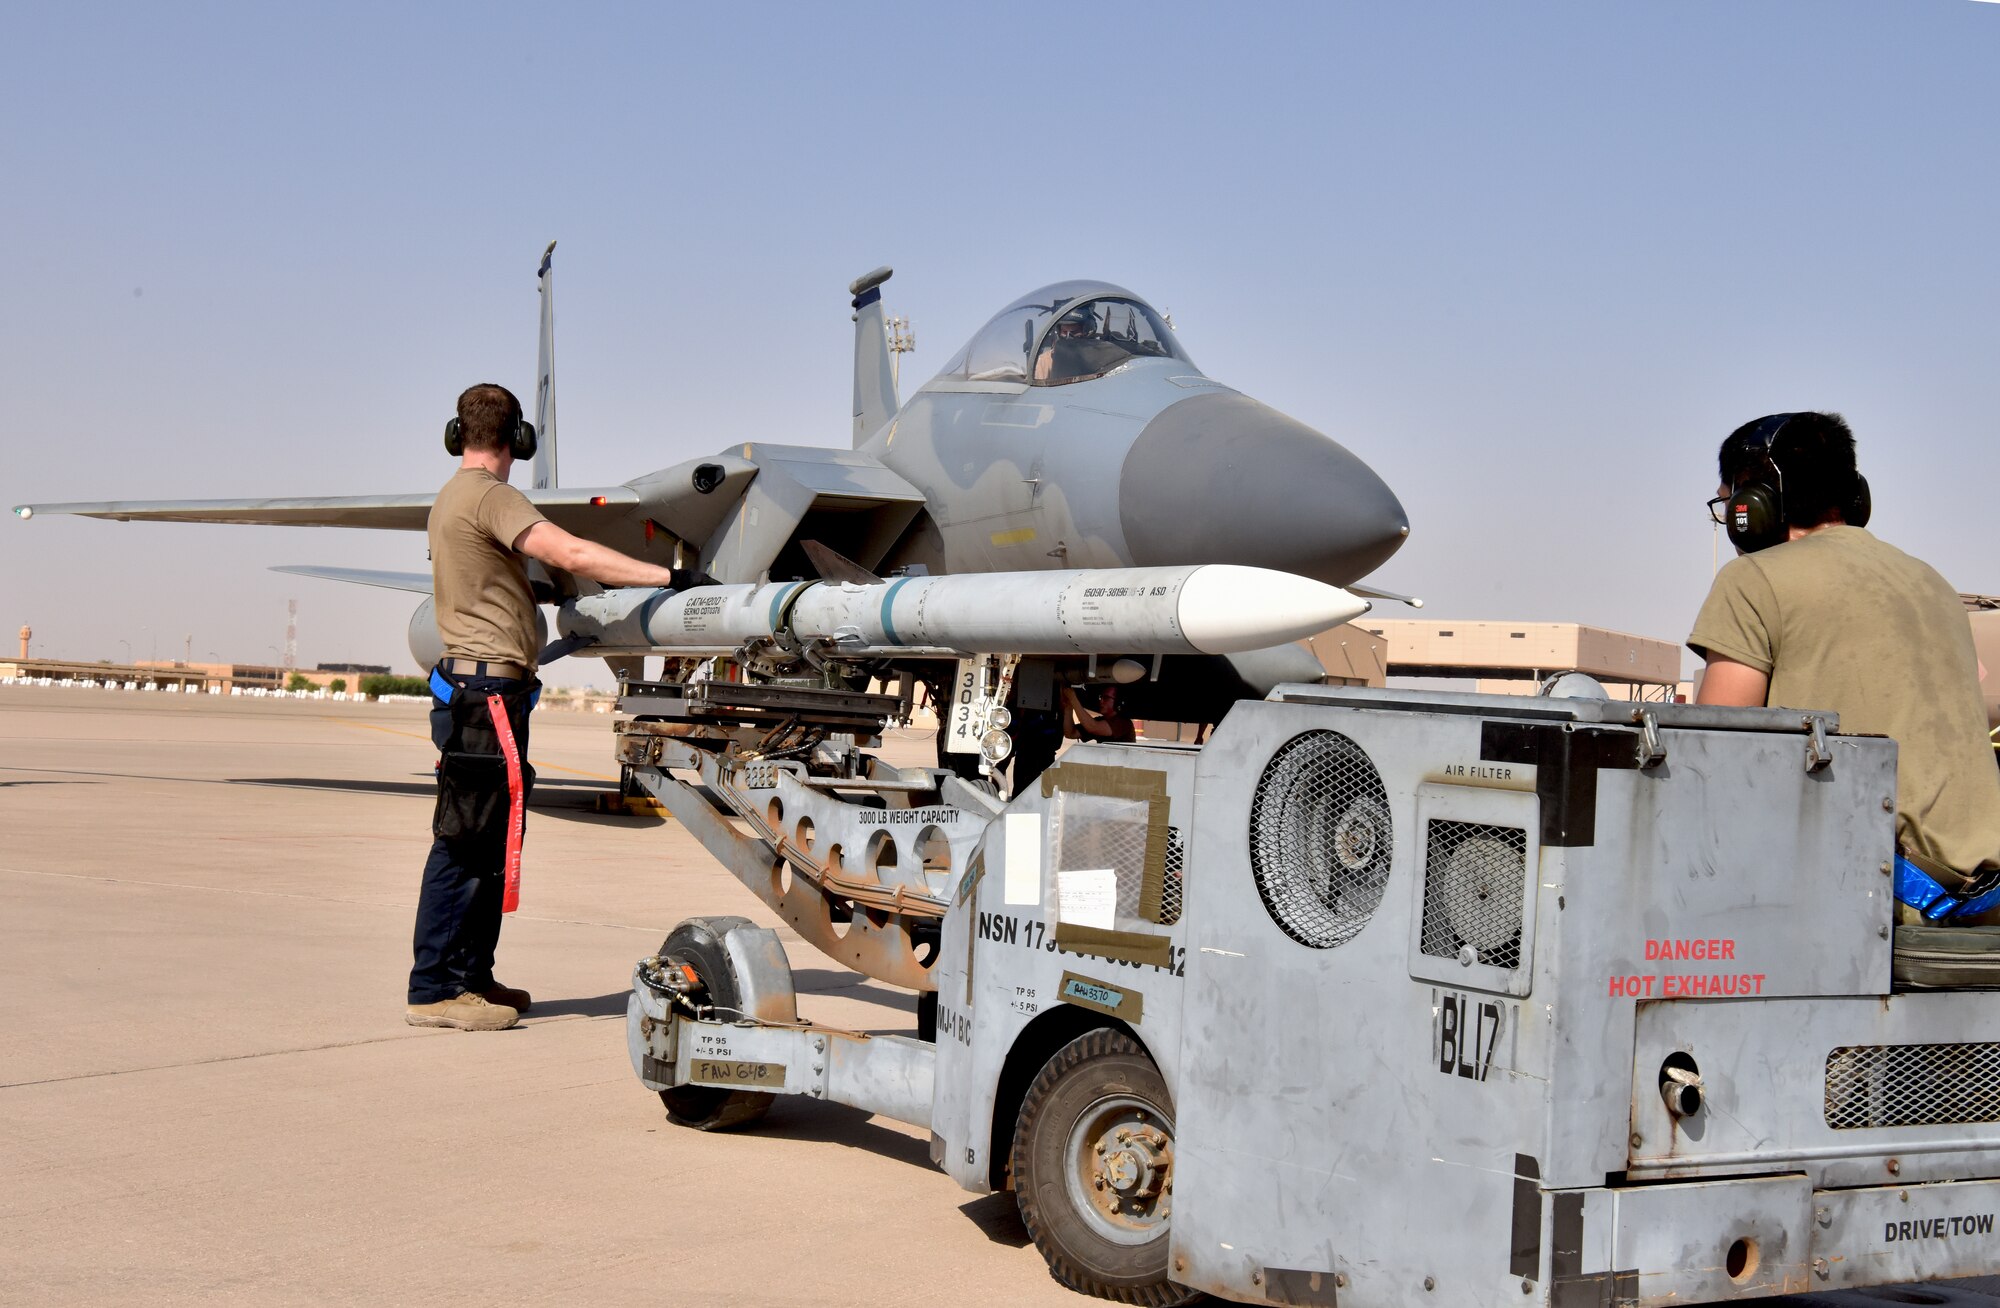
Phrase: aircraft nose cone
(1220, 478)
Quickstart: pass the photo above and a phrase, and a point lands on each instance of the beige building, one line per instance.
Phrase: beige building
(163, 674)
(221, 677)
(1514, 657)
(1351, 655)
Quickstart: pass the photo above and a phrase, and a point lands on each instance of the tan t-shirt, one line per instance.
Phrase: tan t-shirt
(1842, 621)
(484, 607)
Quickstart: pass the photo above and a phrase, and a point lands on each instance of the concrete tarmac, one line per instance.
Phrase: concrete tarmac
(208, 1094)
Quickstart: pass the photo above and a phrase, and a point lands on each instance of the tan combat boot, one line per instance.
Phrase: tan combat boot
(506, 997)
(468, 1012)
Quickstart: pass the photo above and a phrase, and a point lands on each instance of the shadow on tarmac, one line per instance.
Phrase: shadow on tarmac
(998, 1218)
(612, 1005)
(849, 985)
(571, 808)
(350, 787)
(572, 800)
(570, 791)
(794, 1117)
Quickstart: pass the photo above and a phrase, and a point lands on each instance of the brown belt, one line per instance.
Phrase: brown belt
(482, 668)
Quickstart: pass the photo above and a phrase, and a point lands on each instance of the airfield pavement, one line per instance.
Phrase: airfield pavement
(208, 1094)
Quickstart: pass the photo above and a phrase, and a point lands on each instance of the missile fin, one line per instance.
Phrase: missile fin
(836, 567)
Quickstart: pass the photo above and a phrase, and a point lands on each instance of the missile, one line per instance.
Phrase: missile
(1208, 609)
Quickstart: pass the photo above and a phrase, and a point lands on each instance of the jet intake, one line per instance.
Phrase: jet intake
(426, 646)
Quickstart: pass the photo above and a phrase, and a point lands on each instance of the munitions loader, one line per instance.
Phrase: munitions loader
(1378, 997)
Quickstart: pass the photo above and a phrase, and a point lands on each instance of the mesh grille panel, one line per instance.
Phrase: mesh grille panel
(1320, 838)
(1170, 887)
(1097, 831)
(1473, 879)
(1912, 1085)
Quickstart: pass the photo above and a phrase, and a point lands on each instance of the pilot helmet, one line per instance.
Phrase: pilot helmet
(1080, 321)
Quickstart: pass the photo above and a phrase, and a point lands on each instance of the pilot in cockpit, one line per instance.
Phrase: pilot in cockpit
(1076, 349)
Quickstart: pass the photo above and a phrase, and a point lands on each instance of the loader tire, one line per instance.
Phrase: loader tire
(1100, 1218)
(697, 942)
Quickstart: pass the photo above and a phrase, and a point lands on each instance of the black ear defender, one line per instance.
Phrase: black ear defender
(1755, 515)
(1860, 504)
(522, 441)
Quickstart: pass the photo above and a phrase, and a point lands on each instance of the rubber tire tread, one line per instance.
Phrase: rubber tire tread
(1103, 1059)
(698, 943)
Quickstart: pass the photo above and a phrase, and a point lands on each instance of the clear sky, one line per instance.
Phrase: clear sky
(1530, 260)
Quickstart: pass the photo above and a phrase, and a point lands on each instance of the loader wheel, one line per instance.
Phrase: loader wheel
(1093, 1170)
(697, 942)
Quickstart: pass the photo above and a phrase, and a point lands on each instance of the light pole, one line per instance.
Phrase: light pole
(128, 650)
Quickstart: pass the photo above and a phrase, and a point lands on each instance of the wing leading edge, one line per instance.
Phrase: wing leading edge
(416, 582)
(569, 508)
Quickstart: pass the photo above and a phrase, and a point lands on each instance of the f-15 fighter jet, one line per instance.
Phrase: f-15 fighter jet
(1072, 431)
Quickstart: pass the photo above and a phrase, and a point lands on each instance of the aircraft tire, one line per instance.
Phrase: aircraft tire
(1068, 1156)
(698, 943)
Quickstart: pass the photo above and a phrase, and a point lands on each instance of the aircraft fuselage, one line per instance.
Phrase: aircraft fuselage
(1151, 465)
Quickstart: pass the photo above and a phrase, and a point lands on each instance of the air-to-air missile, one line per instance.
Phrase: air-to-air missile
(1207, 609)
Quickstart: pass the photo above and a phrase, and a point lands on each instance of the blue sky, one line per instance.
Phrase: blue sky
(1530, 260)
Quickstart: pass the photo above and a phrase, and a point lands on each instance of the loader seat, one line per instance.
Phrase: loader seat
(1946, 958)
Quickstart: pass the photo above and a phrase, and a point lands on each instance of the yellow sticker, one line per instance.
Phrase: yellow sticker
(1018, 536)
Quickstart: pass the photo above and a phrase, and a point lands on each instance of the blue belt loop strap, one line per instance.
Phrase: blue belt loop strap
(445, 690)
(1925, 893)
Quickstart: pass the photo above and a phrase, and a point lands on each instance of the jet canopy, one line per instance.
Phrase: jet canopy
(1068, 332)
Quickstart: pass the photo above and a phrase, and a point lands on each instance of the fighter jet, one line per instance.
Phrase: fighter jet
(1072, 431)
(1983, 612)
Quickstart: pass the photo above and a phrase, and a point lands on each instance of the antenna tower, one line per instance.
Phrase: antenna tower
(901, 341)
(291, 635)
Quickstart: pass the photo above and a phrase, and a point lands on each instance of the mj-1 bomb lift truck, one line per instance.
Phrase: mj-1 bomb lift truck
(1378, 998)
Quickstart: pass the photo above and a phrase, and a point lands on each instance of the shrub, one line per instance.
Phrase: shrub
(381, 683)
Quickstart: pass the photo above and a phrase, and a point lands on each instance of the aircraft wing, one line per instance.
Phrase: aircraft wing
(419, 582)
(572, 508)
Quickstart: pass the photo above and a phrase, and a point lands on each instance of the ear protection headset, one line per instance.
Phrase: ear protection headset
(521, 440)
(1756, 514)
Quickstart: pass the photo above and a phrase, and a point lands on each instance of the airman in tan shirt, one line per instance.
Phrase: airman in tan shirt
(485, 609)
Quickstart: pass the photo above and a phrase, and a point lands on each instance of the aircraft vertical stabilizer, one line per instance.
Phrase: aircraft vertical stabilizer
(545, 378)
(875, 399)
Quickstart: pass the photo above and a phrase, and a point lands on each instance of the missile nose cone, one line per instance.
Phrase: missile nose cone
(1221, 478)
(1226, 609)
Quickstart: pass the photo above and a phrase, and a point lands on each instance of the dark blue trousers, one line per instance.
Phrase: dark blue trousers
(458, 907)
